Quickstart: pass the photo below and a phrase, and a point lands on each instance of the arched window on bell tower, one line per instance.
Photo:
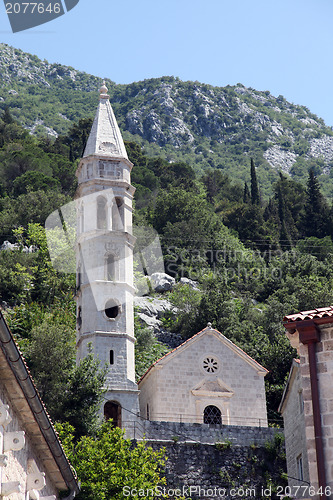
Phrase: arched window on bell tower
(101, 213)
(110, 268)
(118, 214)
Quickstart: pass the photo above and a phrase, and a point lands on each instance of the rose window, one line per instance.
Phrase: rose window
(210, 365)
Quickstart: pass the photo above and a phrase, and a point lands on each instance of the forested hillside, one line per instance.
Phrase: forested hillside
(254, 260)
(205, 126)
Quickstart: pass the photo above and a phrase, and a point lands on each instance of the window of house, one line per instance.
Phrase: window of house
(212, 415)
(300, 468)
(301, 402)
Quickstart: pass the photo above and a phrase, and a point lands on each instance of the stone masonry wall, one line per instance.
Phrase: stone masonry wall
(18, 461)
(204, 433)
(324, 355)
(293, 416)
(214, 472)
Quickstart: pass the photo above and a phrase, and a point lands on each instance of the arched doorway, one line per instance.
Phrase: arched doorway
(112, 410)
(212, 415)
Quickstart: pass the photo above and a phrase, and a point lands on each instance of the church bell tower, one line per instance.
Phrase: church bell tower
(104, 259)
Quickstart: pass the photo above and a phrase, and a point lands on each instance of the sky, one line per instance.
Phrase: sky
(284, 47)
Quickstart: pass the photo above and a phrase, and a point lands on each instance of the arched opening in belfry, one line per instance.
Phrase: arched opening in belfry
(212, 415)
(110, 268)
(101, 213)
(112, 410)
(118, 214)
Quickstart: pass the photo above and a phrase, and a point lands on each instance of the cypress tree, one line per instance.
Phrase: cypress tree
(316, 217)
(246, 195)
(254, 185)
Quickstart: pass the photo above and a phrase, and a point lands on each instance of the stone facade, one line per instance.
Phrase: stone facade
(324, 355)
(292, 409)
(206, 372)
(24, 466)
(311, 332)
(33, 465)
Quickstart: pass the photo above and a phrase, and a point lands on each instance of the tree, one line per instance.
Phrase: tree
(255, 198)
(7, 117)
(108, 466)
(71, 393)
(317, 213)
(83, 396)
(246, 194)
(147, 349)
(50, 356)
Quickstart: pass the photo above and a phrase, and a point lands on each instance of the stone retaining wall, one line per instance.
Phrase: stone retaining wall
(222, 472)
(203, 433)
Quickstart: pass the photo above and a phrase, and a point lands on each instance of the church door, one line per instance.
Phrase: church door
(112, 410)
(212, 415)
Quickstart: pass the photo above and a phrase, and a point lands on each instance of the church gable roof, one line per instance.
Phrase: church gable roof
(219, 336)
(105, 138)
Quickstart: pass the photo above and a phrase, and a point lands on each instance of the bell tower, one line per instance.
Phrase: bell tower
(104, 259)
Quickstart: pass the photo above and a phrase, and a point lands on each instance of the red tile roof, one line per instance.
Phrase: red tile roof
(323, 312)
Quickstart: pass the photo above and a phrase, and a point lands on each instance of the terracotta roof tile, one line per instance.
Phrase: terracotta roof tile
(322, 312)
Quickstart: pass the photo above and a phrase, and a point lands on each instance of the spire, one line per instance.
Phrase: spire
(105, 138)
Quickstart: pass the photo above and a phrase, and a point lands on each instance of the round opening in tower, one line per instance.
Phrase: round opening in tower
(112, 309)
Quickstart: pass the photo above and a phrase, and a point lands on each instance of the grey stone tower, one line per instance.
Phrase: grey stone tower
(104, 257)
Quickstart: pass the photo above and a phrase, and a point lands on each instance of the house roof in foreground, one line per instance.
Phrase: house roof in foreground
(26, 401)
(195, 337)
(321, 315)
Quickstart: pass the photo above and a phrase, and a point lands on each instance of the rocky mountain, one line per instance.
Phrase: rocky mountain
(206, 126)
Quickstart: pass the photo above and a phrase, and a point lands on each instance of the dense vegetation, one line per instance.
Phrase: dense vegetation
(254, 261)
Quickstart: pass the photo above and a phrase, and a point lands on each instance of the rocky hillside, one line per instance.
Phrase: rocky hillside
(219, 127)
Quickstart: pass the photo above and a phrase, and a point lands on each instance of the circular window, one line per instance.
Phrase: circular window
(210, 364)
(112, 309)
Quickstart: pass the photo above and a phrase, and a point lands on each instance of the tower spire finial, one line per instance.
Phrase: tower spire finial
(103, 91)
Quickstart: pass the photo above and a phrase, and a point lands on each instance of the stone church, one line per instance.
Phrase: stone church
(207, 379)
